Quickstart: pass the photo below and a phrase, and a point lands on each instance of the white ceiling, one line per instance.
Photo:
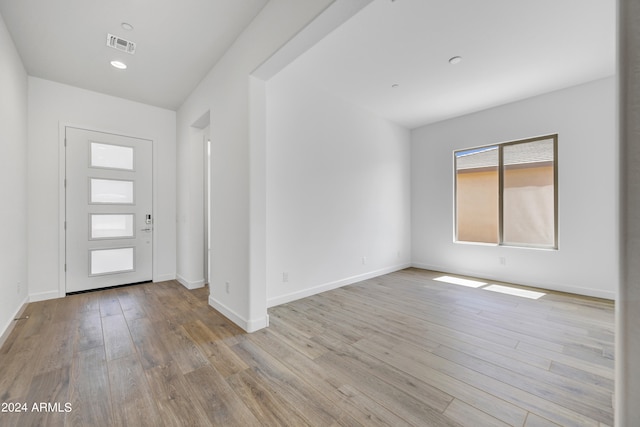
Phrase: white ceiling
(178, 42)
(511, 49)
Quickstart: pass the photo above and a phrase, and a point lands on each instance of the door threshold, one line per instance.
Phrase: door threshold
(107, 288)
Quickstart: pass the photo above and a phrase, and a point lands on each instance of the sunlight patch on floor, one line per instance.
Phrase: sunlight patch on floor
(459, 281)
(515, 291)
(524, 293)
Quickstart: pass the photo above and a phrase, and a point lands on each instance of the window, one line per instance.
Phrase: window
(507, 194)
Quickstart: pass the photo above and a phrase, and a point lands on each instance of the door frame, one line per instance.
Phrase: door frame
(206, 169)
(62, 199)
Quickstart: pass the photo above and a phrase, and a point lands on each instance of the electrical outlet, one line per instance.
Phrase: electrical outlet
(226, 284)
(364, 260)
(18, 290)
(502, 260)
(285, 276)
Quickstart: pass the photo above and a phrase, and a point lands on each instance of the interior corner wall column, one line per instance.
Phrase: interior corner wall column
(628, 303)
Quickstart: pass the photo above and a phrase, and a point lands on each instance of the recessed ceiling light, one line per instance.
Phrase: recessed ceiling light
(126, 26)
(119, 65)
(455, 60)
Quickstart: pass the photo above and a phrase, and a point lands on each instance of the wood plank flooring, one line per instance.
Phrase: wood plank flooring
(396, 350)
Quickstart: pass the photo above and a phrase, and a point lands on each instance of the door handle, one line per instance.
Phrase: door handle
(146, 229)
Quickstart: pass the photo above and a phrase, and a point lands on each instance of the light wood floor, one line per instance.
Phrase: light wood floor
(400, 349)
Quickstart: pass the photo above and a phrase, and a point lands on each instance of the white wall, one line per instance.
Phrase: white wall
(52, 105)
(13, 180)
(338, 186)
(225, 93)
(587, 259)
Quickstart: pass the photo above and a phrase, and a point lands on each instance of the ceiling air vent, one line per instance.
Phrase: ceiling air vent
(121, 44)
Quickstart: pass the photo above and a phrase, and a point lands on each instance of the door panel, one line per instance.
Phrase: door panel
(109, 203)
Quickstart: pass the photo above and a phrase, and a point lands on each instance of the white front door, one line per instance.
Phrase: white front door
(109, 218)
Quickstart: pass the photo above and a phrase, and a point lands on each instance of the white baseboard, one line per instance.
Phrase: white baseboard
(164, 277)
(282, 299)
(190, 284)
(560, 287)
(42, 296)
(250, 325)
(6, 330)
(257, 324)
